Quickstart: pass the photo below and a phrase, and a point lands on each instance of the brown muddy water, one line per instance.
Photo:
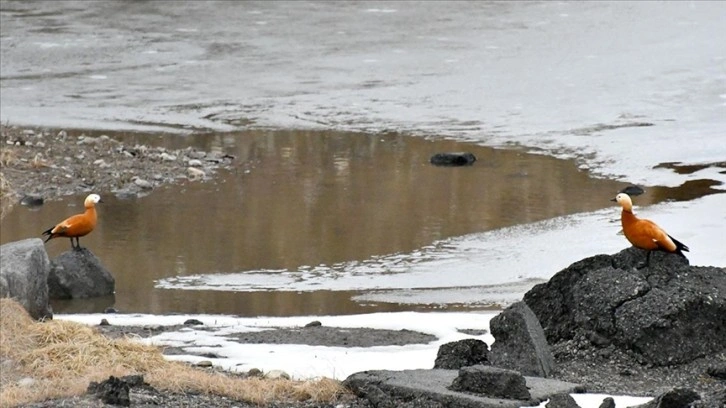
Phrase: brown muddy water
(306, 198)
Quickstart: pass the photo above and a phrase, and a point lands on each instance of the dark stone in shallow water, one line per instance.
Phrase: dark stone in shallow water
(31, 201)
(632, 190)
(192, 322)
(453, 159)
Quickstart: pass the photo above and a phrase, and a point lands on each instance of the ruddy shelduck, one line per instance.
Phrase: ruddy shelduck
(78, 225)
(645, 234)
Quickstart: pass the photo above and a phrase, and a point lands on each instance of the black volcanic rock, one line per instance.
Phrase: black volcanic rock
(462, 353)
(652, 312)
(520, 342)
(78, 273)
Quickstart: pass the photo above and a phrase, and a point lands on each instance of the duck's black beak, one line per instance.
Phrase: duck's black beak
(613, 200)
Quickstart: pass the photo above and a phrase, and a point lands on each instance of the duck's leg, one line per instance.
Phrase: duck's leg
(647, 261)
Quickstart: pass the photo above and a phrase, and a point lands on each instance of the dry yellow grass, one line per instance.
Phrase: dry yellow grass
(63, 357)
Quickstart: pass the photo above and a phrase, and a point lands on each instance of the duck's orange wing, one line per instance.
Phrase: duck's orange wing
(75, 226)
(649, 233)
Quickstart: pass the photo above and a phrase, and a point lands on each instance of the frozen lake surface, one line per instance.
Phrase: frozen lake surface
(621, 86)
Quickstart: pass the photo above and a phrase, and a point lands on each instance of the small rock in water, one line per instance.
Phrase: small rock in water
(104, 322)
(204, 363)
(31, 201)
(314, 323)
(110, 310)
(632, 190)
(453, 159)
(195, 163)
(193, 322)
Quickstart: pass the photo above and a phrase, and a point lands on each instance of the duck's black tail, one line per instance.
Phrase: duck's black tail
(680, 246)
(50, 234)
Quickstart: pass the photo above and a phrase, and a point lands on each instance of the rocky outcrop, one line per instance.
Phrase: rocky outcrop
(652, 312)
(79, 274)
(431, 388)
(462, 353)
(520, 342)
(23, 275)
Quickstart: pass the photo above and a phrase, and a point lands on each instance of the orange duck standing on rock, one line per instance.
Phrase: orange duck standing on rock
(645, 234)
(78, 225)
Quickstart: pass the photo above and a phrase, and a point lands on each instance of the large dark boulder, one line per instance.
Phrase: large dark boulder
(520, 343)
(462, 353)
(78, 273)
(24, 274)
(653, 312)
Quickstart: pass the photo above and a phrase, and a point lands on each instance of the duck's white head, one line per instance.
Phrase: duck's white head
(624, 201)
(92, 199)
